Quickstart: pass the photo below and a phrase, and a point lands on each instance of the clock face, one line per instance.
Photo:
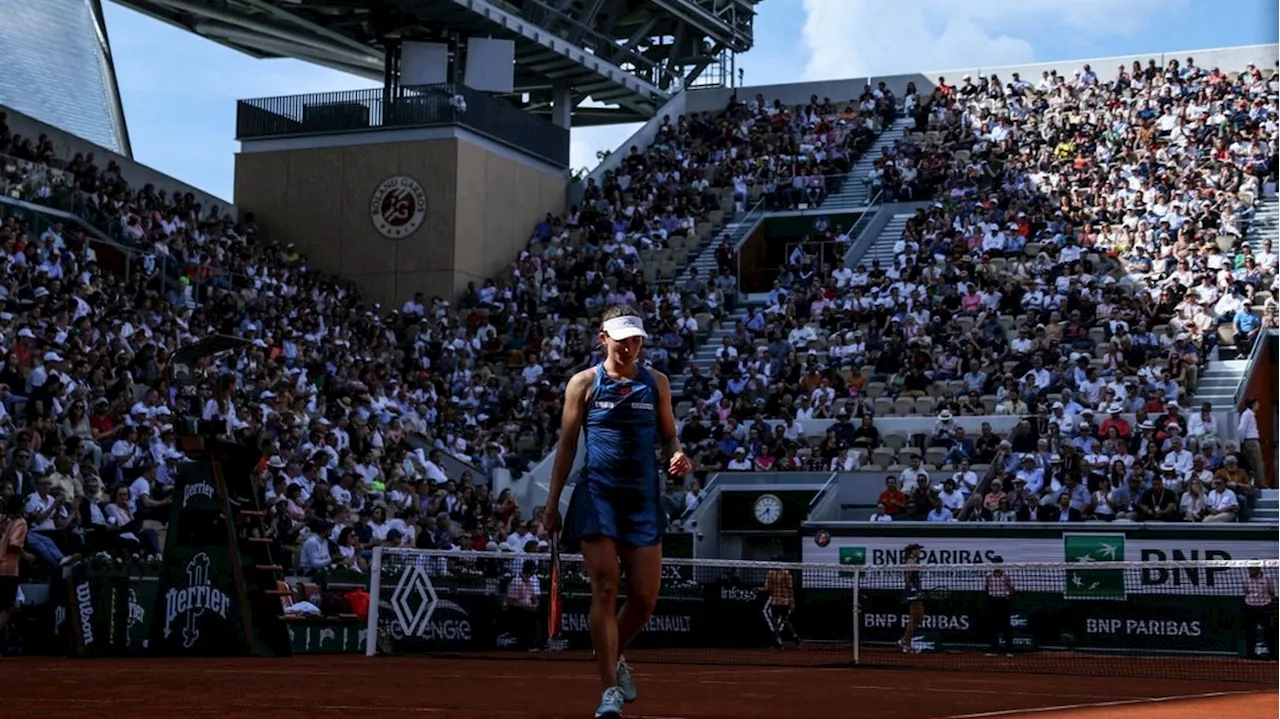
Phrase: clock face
(768, 508)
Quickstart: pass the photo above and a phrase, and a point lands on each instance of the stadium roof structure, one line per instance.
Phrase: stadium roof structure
(628, 56)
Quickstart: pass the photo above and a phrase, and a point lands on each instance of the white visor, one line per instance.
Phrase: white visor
(620, 328)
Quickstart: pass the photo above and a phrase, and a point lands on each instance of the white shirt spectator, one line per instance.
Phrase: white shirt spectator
(953, 500)
(1247, 428)
(315, 553)
(1222, 500)
(42, 505)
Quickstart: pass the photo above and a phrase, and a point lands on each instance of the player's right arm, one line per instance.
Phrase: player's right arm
(571, 417)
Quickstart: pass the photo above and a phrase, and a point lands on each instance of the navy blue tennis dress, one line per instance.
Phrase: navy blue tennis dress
(911, 591)
(617, 494)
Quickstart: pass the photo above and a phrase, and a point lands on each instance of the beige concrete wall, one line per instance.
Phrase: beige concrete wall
(481, 207)
(318, 199)
(499, 201)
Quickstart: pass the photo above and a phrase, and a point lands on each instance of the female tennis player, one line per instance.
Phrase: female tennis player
(615, 517)
(912, 596)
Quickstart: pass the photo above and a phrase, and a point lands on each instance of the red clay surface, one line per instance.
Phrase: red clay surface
(317, 686)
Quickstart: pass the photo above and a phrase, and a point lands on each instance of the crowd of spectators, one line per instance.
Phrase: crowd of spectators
(353, 406)
(1081, 259)
(1166, 468)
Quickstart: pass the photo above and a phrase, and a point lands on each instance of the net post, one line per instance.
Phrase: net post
(375, 590)
(857, 625)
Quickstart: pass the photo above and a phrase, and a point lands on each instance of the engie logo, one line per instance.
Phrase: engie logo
(196, 489)
(84, 612)
(194, 600)
(398, 207)
(420, 612)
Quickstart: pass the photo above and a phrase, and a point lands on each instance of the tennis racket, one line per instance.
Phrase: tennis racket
(554, 605)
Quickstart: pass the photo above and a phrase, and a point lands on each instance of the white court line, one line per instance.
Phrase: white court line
(307, 707)
(999, 688)
(588, 677)
(1093, 705)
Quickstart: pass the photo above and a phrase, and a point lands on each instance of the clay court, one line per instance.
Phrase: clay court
(312, 687)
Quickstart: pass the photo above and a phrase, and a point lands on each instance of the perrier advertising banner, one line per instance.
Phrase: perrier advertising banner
(197, 610)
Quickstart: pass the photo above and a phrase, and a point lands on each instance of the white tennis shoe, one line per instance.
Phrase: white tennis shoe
(610, 704)
(626, 682)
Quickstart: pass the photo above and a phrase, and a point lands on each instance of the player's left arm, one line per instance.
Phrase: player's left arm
(678, 463)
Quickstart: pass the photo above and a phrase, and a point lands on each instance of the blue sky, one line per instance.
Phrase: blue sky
(179, 90)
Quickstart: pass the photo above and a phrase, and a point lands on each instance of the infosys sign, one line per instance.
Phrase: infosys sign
(1090, 550)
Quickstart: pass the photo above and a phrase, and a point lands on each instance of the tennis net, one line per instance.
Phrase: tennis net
(1181, 620)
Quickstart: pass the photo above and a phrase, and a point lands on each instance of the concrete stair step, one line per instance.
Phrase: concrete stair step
(1220, 382)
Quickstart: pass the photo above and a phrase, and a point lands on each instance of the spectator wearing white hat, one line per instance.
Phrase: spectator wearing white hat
(944, 429)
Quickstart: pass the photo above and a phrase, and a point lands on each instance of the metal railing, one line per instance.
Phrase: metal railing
(1264, 338)
(825, 487)
(414, 107)
(25, 179)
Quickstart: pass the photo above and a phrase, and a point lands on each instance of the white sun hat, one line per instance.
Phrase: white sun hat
(621, 328)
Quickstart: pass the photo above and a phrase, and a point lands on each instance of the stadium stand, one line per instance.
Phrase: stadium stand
(355, 407)
(1087, 248)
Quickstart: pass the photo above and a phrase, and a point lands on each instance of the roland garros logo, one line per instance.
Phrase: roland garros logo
(398, 207)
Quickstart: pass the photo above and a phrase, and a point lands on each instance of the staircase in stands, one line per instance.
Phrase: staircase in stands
(1218, 383)
(854, 195)
(1220, 379)
(881, 248)
(705, 354)
(1267, 510)
(854, 192)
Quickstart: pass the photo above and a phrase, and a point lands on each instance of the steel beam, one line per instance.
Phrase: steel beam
(292, 19)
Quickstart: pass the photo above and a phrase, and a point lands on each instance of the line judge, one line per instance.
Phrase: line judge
(999, 589)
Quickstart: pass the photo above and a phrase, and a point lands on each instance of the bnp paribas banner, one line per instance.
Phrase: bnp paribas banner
(1085, 556)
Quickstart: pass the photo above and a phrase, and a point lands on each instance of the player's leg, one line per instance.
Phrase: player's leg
(917, 618)
(8, 601)
(915, 611)
(995, 627)
(592, 526)
(1006, 622)
(600, 554)
(771, 614)
(642, 567)
(789, 623)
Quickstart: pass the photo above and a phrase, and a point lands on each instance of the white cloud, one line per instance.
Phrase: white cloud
(859, 38)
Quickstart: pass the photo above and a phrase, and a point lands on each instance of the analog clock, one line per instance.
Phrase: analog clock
(768, 508)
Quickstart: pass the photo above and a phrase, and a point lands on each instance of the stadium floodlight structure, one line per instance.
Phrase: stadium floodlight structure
(628, 58)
